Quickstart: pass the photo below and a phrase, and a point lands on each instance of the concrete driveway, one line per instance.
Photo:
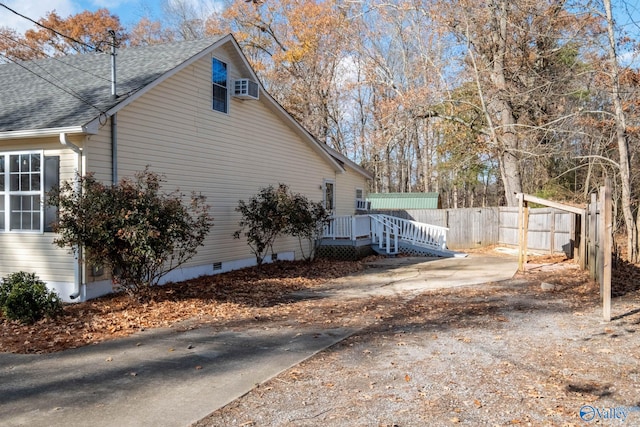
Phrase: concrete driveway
(176, 376)
(408, 275)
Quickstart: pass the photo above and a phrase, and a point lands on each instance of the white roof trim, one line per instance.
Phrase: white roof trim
(48, 132)
(271, 101)
(353, 165)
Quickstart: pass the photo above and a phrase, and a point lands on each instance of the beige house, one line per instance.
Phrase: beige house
(193, 111)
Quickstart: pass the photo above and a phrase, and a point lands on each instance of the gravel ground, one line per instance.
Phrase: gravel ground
(496, 354)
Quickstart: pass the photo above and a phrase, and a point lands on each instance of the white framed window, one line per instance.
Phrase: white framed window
(359, 194)
(219, 82)
(24, 179)
(329, 196)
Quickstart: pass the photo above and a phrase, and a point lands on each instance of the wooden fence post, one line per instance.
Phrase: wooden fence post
(606, 243)
(525, 233)
(520, 197)
(591, 242)
(583, 240)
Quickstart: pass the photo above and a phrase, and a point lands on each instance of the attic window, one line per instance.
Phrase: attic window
(219, 83)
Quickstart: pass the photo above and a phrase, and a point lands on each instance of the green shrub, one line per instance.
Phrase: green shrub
(24, 297)
(135, 229)
(264, 218)
(276, 211)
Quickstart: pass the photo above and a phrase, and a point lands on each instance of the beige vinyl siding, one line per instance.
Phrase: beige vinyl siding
(97, 152)
(346, 185)
(35, 252)
(227, 157)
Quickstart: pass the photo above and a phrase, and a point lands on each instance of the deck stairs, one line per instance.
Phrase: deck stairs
(392, 235)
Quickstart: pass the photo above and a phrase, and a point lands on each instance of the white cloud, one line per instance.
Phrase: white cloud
(347, 72)
(34, 9)
(629, 59)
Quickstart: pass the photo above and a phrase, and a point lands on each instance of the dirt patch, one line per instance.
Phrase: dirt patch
(498, 354)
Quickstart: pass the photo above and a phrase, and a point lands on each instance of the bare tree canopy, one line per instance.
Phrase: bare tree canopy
(476, 100)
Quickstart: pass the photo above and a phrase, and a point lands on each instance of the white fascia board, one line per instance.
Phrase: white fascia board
(48, 132)
(362, 171)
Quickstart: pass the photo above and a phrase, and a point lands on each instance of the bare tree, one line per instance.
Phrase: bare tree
(624, 162)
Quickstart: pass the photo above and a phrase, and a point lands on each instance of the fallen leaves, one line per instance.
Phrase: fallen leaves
(506, 371)
(233, 296)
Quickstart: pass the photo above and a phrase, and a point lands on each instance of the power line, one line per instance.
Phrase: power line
(62, 88)
(51, 29)
(21, 43)
(35, 63)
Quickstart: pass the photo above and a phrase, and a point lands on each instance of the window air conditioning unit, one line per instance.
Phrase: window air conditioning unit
(245, 89)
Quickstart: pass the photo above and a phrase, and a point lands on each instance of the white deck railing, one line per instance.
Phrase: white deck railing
(384, 233)
(386, 230)
(349, 227)
(418, 233)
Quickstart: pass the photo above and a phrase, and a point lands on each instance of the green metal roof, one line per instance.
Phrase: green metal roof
(404, 200)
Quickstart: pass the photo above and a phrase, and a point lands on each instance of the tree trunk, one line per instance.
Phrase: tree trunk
(502, 110)
(510, 173)
(497, 108)
(623, 143)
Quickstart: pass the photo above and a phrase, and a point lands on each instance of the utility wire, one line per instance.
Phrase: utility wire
(51, 29)
(55, 58)
(62, 88)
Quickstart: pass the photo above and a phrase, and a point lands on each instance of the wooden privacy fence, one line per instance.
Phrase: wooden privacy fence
(555, 228)
(551, 230)
(596, 240)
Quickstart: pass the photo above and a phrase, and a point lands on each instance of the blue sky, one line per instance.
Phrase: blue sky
(129, 11)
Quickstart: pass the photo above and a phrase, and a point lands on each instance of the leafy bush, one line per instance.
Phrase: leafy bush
(276, 211)
(263, 219)
(307, 220)
(24, 297)
(139, 233)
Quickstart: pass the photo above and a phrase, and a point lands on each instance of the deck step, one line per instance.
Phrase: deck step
(377, 249)
(417, 250)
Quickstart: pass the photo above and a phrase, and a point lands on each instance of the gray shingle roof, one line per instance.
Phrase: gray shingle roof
(78, 87)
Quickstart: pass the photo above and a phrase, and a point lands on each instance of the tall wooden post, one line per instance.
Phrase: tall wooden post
(607, 246)
(520, 197)
(525, 234)
(523, 228)
(582, 251)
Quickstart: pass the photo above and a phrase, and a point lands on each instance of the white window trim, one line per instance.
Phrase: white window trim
(324, 193)
(7, 193)
(228, 87)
